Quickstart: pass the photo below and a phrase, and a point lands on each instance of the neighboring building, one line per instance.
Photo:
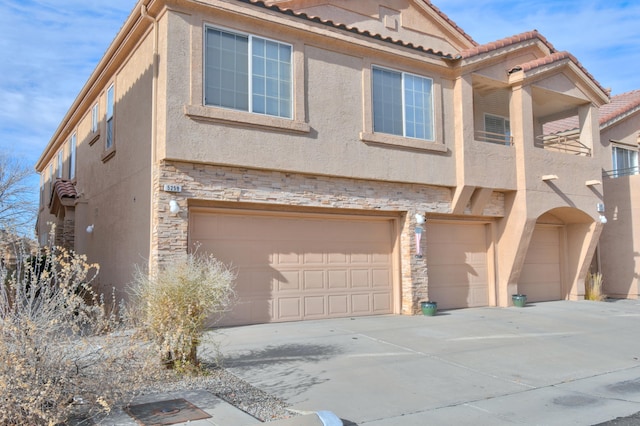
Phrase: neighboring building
(297, 140)
(619, 249)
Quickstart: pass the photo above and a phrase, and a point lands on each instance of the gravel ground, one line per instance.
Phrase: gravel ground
(235, 391)
(219, 382)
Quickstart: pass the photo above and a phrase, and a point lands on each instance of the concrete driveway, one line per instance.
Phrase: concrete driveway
(553, 363)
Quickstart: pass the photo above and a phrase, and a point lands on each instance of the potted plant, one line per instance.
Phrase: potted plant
(429, 308)
(519, 300)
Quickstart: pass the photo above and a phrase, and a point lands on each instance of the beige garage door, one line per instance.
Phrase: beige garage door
(540, 278)
(457, 264)
(300, 267)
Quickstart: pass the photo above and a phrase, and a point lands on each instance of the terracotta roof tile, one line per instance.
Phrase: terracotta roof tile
(65, 188)
(620, 105)
(366, 33)
(556, 57)
(508, 41)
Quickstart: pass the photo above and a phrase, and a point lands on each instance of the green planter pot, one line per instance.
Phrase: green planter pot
(519, 300)
(429, 308)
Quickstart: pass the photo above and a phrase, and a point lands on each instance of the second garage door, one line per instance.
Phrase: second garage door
(305, 266)
(457, 264)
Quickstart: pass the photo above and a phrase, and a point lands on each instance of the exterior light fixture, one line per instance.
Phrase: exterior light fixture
(549, 177)
(174, 207)
(90, 229)
(600, 209)
(420, 219)
(593, 182)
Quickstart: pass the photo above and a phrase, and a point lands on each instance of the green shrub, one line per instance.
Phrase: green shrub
(55, 357)
(178, 302)
(593, 287)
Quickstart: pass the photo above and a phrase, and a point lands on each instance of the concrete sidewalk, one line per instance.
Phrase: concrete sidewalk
(553, 363)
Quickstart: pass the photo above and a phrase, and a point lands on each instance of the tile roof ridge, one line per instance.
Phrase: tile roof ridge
(355, 30)
(556, 57)
(507, 41)
(620, 105)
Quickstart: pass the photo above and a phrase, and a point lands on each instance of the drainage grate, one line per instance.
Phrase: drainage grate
(168, 412)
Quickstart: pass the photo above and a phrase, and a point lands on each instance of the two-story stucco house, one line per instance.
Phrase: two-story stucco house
(298, 139)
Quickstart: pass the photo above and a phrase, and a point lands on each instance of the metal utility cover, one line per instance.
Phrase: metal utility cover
(167, 412)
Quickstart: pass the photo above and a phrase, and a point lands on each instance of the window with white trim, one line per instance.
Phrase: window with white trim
(94, 118)
(109, 116)
(402, 104)
(625, 161)
(60, 163)
(497, 128)
(248, 73)
(72, 157)
(50, 182)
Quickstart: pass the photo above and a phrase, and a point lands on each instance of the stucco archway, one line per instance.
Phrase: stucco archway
(561, 246)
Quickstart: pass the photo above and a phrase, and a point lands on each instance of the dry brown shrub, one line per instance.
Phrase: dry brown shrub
(63, 351)
(178, 303)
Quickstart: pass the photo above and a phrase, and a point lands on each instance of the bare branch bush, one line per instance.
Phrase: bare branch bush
(63, 351)
(17, 206)
(179, 301)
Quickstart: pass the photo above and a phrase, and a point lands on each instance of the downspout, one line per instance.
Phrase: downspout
(144, 13)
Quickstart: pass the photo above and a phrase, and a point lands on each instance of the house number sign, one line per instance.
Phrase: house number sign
(173, 188)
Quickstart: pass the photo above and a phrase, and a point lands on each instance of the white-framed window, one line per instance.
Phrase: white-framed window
(498, 128)
(625, 161)
(50, 182)
(402, 104)
(248, 73)
(60, 163)
(94, 118)
(72, 156)
(109, 116)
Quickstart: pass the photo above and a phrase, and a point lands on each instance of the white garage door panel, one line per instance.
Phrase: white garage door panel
(540, 278)
(457, 264)
(303, 267)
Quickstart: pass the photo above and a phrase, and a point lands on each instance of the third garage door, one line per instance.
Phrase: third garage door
(457, 264)
(303, 266)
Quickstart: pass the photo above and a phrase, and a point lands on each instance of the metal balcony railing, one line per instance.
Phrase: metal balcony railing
(629, 171)
(563, 143)
(497, 138)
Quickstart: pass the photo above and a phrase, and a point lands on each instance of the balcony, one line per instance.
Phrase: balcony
(629, 171)
(567, 143)
(496, 138)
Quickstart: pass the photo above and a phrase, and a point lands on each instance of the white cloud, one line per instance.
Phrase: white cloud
(49, 49)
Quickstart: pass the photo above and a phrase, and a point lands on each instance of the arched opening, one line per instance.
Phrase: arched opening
(557, 259)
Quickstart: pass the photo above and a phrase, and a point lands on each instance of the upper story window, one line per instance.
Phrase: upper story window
(248, 73)
(497, 129)
(109, 116)
(94, 118)
(50, 188)
(625, 161)
(402, 104)
(72, 157)
(60, 163)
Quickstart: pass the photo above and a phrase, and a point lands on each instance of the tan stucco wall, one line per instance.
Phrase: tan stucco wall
(113, 186)
(331, 143)
(620, 241)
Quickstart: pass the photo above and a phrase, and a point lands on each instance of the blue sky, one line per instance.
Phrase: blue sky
(49, 48)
